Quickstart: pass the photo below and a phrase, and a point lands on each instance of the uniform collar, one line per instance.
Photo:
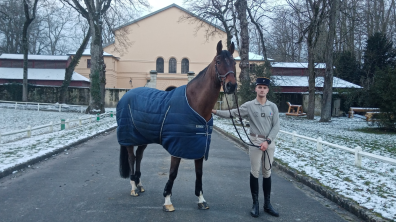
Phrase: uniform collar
(256, 102)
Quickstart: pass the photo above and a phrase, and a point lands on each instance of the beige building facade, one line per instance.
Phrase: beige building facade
(158, 42)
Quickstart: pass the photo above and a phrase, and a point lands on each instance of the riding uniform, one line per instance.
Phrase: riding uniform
(264, 125)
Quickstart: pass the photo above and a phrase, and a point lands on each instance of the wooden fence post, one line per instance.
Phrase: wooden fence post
(294, 136)
(319, 144)
(29, 131)
(358, 156)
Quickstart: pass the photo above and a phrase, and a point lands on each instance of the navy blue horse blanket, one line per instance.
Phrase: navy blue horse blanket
(147, 115)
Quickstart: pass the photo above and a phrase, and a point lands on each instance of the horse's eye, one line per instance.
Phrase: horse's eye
(218, 62)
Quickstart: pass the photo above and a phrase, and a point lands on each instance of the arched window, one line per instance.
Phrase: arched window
(160, 65)
(172, 65)
(185, 66)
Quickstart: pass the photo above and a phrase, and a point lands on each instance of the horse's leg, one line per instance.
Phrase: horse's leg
(198, 185)
(175, 162)
(139, 156)
(133, 178)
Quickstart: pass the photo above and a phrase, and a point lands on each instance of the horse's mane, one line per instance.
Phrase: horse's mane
(200, 74)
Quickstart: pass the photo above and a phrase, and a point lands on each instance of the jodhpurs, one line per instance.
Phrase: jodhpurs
(259, 158)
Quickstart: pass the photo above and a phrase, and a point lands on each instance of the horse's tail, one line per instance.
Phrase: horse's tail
(124, 164)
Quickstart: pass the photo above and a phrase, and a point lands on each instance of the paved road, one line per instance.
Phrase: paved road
(82, 184)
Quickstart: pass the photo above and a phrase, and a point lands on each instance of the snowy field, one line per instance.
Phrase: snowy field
(372, 186)
(18, 148)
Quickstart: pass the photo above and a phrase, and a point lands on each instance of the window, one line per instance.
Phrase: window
(160, 65)
(172, 65)
(88, 63)
(252, 67)
(185, 66)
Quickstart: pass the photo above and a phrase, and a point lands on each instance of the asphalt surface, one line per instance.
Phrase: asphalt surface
(83, 184)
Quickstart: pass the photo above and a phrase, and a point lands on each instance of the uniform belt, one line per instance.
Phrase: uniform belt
(255, 135)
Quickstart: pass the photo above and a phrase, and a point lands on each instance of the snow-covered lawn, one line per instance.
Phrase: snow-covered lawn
(372, 186)
(17, 148)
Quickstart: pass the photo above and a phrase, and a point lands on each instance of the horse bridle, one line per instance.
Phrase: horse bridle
(224, 76)
(222, 82)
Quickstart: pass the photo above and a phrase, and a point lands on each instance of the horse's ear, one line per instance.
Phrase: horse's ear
(219, 48)
(231, 48)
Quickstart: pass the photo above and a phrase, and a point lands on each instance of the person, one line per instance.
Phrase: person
(264, 127)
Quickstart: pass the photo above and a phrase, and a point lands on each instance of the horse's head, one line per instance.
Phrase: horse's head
(225, 68)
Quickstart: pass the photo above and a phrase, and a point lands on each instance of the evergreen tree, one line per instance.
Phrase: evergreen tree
(378, 54)
(247, 93)
(383, 97)
(347, 68)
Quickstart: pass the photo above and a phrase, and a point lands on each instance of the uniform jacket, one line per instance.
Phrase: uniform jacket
(263, 119)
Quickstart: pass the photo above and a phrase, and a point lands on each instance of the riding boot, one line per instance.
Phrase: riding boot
(254, 189)
(267, 192)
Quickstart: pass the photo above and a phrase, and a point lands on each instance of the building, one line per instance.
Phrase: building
(45, 70)
(160, 51)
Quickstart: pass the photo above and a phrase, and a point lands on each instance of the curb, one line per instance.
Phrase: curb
(20, 166)
(343, 202)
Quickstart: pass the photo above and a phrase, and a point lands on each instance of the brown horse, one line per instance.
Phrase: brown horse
(202, 94)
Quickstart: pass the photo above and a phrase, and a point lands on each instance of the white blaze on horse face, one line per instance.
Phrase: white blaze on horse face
(201, 198)
(227, 61)
(168, 200)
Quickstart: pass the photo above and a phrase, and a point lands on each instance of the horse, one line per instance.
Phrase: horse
(180, 120)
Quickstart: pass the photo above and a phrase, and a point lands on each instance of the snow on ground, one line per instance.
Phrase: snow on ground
(18, 148)
(372, 186)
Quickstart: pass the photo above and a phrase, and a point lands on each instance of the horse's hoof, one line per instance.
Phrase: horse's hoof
(168, 208)
(203, 206)
(141, 189)
(134, 193)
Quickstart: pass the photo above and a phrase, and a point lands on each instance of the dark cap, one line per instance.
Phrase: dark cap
(263, 81)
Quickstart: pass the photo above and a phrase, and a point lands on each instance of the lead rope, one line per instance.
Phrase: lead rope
(240, 119)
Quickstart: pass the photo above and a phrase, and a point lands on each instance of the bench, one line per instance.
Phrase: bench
(352, 110)
(370, 116)
(295, 110)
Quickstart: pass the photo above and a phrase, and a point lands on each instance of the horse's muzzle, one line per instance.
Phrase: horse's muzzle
(230, 87)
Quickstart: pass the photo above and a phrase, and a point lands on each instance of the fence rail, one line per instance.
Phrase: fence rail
(357, 151)
(51, 125)
(44, 106)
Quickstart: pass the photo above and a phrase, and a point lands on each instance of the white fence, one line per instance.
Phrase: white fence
(42, 106)
(357, 151)
(64, 124)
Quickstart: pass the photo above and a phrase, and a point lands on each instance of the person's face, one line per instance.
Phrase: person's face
(262, 90)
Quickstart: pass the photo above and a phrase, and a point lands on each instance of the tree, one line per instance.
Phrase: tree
(347, 68)
(384, 88)
(312, 31)
(30, 15)
(70, 68)
(241, 7)
(214, 11)
(377, 55)
(325, 115)
(286, 28)
(12, 19)
(255, 20)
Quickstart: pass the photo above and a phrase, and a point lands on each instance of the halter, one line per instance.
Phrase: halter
(224, 76)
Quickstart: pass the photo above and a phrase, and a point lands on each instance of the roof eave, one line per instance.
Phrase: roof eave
(163, 9)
